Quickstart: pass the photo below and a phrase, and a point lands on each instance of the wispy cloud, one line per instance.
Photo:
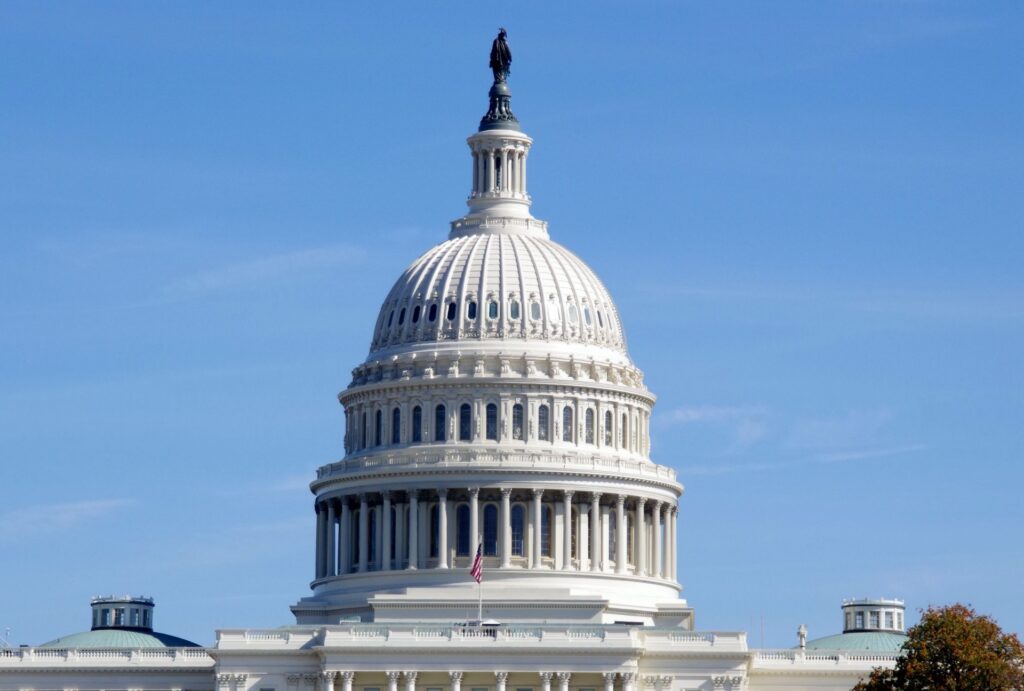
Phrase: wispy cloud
(748, 424)
(45, 519)
(853, 456)
(853, 428)
(263, 269)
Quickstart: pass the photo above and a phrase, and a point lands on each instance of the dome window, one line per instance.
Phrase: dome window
(574, 316)
(401, 317)
(417, 425)
(518, 523)
(554, 313)
(586, 316)
(492, 422)
(471, 310)
(517, 422)
(567, 430)
(608, 428)
(513, 309)
(600, 319)
(490, 530)
(465, 422)
(535, 310)
(492, 309)
(432, 313)
(391, 318)
(416, 314)
(453, 308)
(543, 423)
(378, 428)
(588, 425)
(396, 426)
(440, 422)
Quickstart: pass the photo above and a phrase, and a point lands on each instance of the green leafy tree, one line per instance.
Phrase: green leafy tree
(954, 649)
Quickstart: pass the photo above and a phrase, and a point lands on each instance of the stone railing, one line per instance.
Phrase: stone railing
(833, 657)
(177, 657)
(489, 460)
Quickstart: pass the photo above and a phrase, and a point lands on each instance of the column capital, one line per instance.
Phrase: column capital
(640, 501)
(455, 676)
(595, 496)
(363, 497)
(328, 675)
(564, 677)
(410, 676)
(347, 675)
(609, 676)
(568, 493)
(501, 677)
(506, 492)
(620, 500)
(546, 676)
(393, 676)
(474, 492)
(537, 492)
(387, 494)
(627, 677)
(442, 493)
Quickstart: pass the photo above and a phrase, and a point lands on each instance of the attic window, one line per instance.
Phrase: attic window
(432, 314)
(513, 309)
(471, 310)
(452, 309)
(492, 309)
(401, 317)
(416, 314)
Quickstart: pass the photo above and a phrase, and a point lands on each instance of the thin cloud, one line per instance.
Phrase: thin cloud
(45, 519)
(711, 414)
(857, 456)
(844, 431)
(264, 269)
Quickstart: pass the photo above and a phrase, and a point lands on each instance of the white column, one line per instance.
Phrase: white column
(414, 533)
(386, 542)
(609, 681)
(400, 540)
(321, 539)
(345, 539)
(410, 681)
(490, 176)
(640, 538)
(506, 528)
(393, 681)
(476, 174)
(456, 678)
(628, 681)
(567, 539)
(332, 532)
(442, 528)
(474, 520)
(674, 562)
(545, 681)
(537, 494)
(661, 540)
(595, 531)
(522, 175)
(513, 173)
(620, 534)
(346, 680)
(563, 681)
(378, 529)
(500, 679)
(364, 532)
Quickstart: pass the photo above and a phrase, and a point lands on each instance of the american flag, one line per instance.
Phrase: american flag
(477, 569)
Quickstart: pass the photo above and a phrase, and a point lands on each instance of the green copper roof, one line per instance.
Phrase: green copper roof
(876, 641)
(119, 638)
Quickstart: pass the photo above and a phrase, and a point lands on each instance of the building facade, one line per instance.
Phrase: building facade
(498, 416)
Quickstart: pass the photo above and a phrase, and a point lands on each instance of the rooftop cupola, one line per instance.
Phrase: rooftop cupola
(122, 612)
(871, 614)
(498, 201)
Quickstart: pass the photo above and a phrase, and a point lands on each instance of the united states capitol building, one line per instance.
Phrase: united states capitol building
(499, 411)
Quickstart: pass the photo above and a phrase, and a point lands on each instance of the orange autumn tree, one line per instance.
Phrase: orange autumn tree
(954, 649)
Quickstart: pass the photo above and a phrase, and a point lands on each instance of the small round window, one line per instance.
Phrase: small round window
(535, 310)
(513, 309)
(492, 310)
(416, 314)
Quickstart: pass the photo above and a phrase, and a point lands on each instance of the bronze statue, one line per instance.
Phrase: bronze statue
(501, 57)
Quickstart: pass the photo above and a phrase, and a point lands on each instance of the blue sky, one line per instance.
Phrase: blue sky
(810, 215)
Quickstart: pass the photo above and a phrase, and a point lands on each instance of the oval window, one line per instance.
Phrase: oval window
(432, 314)
(391, 318)
(573, 314)
(600, 320)
(452, 309)
(416, 314)
(401, 317)
(554, 313)
(471, 310)
(513, 309)
(535, 310)
(492, 310)
(586, 315)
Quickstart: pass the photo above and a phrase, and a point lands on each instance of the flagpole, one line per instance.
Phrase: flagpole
(480, 586)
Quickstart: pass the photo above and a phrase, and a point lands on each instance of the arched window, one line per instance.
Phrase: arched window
(567, 431)
(513, 309)
(417, 425)
(362, 433)
(432, 312)
(535, 310)
(543, 423)
(492, 309)
(517, 422)
(401, 317)
(518, 514)
(440, 423)
(490, 530)
(396, 426)
(465, 422)
(415, 314)
(497, 173)
(588, 423)
(608, 428)
(492, 421)
(453, 308)
(378, 428)
(545, 531)
(471, 310)
(372, 551)
(435, 533)
(462, 530)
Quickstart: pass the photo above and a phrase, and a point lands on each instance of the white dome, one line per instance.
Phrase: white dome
(498, 286)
